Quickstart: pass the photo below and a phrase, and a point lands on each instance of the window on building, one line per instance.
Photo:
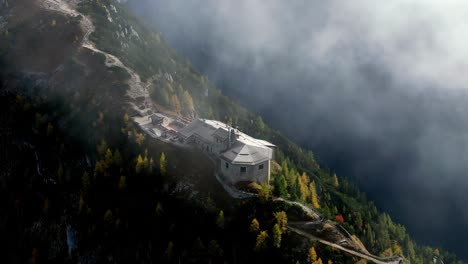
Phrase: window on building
(260, 167)
(243, 169)
(227, 165)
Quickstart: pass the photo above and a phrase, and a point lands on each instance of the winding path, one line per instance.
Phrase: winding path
(375, 259)
(136, 87)
(316, 215)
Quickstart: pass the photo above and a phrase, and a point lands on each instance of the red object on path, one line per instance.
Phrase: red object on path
(339, 218)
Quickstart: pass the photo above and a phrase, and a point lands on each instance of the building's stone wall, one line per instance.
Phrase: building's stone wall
(233, 172)
(253, 173)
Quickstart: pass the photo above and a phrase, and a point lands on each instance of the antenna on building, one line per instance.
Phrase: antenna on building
(229, 136)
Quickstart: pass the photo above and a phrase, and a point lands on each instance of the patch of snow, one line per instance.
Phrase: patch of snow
(113, 8)
(108, 14)
(168, 77)
(134, 32)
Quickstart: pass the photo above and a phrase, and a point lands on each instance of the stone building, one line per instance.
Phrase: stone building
(241, 157)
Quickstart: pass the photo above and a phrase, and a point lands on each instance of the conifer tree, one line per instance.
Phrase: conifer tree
(254, 226)
(297, 188)
(159, 209)
(122, 183)
(151, 165)
(162, 164)
(146, 162)
(117, 158)
(109, 217)
(164, 97)
(175, 103)
(180, 90)
(139, 138)
(282, 220)
(99, 168)
(303, 187)
(276, 236)
(409, 247)
(265, 193)
(312, 255)
(60, 173)
(126, 118)
(370, 236)
(261, 242)
(214, 249)
(280, 185)
(81, 203)
(188, 102)
(108, 158)
(314, 197)
(285, 171)
(220, 219)
(170, 250)
(335, 182)
(198, 247)
(85, 181)
(50, 129)
(102, 147)
(259, 125)
(140, 164)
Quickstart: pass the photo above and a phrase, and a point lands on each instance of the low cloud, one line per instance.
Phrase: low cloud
(377, 89)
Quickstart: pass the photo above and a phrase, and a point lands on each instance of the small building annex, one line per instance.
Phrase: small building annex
(241, 157)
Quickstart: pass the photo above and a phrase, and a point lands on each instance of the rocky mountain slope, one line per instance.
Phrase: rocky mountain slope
(81, 183)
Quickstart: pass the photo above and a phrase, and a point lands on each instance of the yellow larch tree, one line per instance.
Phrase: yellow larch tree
(313, 193)
(312, 255)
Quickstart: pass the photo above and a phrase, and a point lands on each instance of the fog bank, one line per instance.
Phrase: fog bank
(377, 90)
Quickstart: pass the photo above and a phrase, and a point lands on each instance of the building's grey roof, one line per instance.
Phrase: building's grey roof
(265, 143)
(245, 149)
(222, 133)
(199, 128)
(241, 153)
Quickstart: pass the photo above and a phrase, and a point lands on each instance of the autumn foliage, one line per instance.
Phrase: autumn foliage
(339, 219)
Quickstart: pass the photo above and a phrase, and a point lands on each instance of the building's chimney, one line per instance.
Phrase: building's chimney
(232, 136)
